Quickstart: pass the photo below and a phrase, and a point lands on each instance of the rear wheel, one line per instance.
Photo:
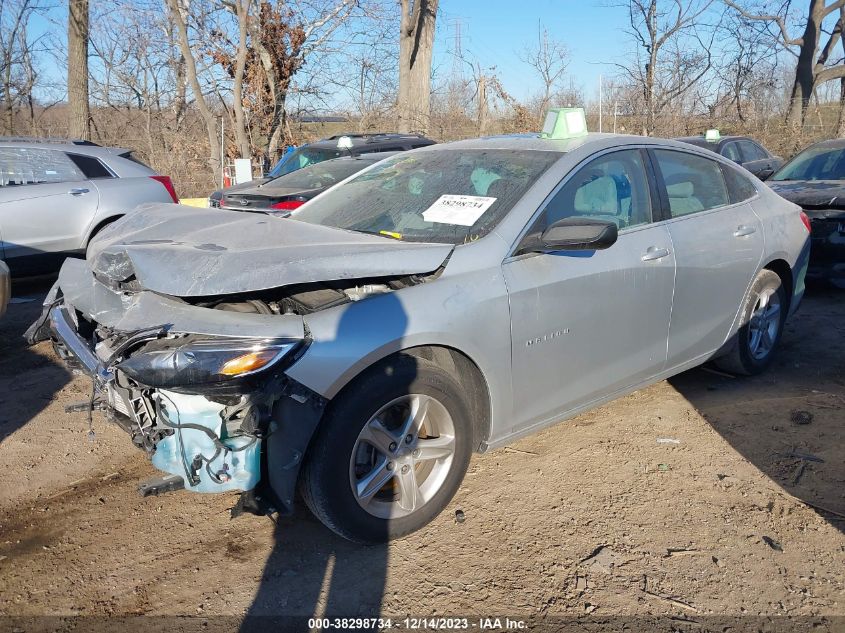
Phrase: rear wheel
(391, 453)
(762, 319)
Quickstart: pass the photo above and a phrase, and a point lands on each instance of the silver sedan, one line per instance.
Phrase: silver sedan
(444, 301)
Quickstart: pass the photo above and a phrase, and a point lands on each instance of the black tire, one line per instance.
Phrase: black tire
(325, 479)
(740, 359)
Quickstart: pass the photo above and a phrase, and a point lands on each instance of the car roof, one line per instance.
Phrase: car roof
(833, 143)
(359, 140)
(369, 156)
(700, 141)
(535, 142)
(86, 148)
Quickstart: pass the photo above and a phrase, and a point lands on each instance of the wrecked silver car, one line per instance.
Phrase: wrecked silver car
(444, 301)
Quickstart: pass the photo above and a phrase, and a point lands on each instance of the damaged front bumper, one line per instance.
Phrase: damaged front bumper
(232, 435)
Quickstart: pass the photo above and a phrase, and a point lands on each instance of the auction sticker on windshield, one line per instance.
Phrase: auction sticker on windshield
(461, 210)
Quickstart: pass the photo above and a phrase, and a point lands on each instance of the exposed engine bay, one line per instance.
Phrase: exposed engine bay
(207, 408)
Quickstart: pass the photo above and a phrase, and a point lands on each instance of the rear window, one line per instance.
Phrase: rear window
(739, 187)
(90, 166)
(693, 183)
(33, 166)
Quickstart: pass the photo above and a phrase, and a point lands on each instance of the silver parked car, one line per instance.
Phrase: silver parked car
(55, 196)
(446, 300)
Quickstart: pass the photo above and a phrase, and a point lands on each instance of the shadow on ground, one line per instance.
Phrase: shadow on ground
(24, 369)
(789, 421)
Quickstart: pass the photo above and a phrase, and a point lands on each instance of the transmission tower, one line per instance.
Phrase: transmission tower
(457, 77)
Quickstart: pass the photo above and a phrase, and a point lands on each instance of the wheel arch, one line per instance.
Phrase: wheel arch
(783, 270)
(462, 368)
(469, 375)
(100, 226)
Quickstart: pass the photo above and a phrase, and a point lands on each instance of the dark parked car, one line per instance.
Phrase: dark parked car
(328, 148)
(815, 180)
(741, 150)
(292, 190)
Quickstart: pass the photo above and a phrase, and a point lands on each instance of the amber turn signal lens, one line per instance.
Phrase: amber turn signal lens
(248, 362)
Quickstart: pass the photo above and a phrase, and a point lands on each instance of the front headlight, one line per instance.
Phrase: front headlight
(195, 361)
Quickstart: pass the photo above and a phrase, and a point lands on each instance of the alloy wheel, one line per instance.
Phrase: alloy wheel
(402, 456)
(764, 324)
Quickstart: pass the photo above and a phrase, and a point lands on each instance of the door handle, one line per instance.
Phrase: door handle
(744, 231)
(78, 191)
(654, 253)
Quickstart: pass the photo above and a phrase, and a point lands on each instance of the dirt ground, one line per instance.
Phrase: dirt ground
(742, 513)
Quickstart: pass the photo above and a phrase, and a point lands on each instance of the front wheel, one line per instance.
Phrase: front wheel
(761, 325)
(391, 452)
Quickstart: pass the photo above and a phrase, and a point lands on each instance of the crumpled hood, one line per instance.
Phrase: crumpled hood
(811, 194)
(192, 252)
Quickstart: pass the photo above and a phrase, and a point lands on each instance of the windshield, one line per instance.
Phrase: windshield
(448, 196)
(300, 158)
(321, 175)
(815, 163)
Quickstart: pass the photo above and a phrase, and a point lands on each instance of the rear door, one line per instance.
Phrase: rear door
(718, 244)
(46, 202)
(587, 323)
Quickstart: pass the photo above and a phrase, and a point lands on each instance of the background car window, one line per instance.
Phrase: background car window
(320, 175)
(33, 166)
(693, 183)
(815, 163)
(740, 188)
(731, 151)
(613, 187)
(752, 151)
(90, 166)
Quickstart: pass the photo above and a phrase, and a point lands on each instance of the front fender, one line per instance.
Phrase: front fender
(468, 313)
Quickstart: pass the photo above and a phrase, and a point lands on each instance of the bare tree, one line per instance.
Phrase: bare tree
(670, 56)
(548, 58)
(79, 116)
(416, 45)
(178, 10)
(17, 72)
(814, 64)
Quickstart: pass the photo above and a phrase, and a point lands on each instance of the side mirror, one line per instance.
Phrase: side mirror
(575, 234)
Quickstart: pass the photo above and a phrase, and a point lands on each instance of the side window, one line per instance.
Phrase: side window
(739, 187)
(613, 187)
(693, 183)
(90, 166)
(34, 166)
(752, 151)
(731, 152)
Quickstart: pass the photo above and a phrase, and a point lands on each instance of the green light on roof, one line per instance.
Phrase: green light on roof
(564, 123)
(712, 136)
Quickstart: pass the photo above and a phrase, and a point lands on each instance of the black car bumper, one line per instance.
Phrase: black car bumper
(827, 253)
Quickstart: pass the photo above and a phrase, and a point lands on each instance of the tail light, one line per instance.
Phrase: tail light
(288, 205)
(168, 184)
(806, 220)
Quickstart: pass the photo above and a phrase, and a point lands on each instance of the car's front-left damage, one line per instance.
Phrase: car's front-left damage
(191, 361)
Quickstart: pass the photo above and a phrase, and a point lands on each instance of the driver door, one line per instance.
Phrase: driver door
(586, 324)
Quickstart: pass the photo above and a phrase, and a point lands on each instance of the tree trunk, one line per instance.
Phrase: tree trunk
(416, 43)
(214, 156)
(7, 98)
(802, 86)
(241, 136)
(482, 105)
(77, 70)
